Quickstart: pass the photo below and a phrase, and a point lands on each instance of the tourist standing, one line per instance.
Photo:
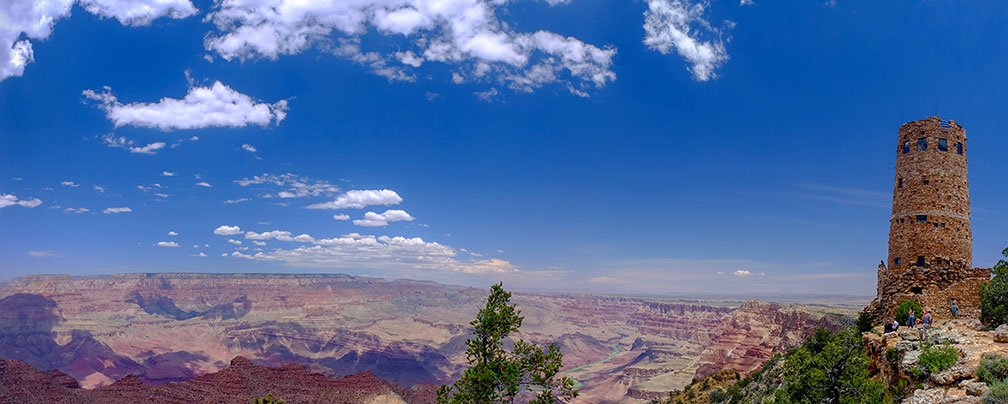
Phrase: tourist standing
(954, 309)
(911, 320)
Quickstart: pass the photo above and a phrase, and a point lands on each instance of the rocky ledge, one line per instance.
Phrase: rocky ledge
(896, 358)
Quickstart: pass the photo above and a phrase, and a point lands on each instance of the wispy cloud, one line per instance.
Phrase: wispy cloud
(117, 210)
(673, 25)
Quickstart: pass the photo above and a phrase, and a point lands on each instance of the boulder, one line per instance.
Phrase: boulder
(926, 396)
(910, 361)
(909, 335)
(938, 336)
(906, 346)
(952, 375)
(1001, 333)
(974, 388)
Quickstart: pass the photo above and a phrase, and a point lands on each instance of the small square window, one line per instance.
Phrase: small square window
(920, 260)
(921, 218)
(935, 225)
(959, 148)
(906, 147)
(943, 225)
(922, 144)
(943, 144)
(899, 260)
(901, 182)
(926, 182)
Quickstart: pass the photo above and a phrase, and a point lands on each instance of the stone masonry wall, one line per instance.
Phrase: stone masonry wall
(930, 241)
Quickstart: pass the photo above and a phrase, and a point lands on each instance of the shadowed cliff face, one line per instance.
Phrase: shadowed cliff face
(172, 327)
(237, 384)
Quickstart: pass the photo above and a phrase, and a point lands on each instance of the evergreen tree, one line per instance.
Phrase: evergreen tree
(498, 376)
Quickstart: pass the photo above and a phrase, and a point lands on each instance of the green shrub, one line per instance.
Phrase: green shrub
(893, 357)
(997, 393)
(863, 322)
(992, 368)
(267, 400)
(937, 359)
(903, 311)
(994, 294)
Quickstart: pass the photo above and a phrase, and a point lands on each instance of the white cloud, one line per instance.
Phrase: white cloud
(341, 216)
(235, 242)
(375, 219)
(35, 19)
(465, 34)
(117, 210)
(257, 242)
(669, 25)
(128, 144)
(168, 174)
(167, 244)
(742, 272)
(294, 186)
(364, 251)
(201, 254)
(69, 184)
(249, 148)
(746, 2)
(172, 233)
(227, 230)
(234, 201)
(98, 188)
(43, 254)
(202, 107)
(359, 199)
(204, 184)
(76, 210)
(10, 200)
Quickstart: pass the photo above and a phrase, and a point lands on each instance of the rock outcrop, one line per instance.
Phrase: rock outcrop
(236, 384)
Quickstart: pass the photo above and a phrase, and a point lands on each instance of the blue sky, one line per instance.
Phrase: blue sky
(669, 146)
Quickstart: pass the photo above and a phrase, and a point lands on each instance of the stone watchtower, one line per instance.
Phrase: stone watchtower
(930, 241)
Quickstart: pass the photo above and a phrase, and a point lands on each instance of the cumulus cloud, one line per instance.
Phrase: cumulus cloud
(673, 25)
(27, 20)
(168, 174)
(383, 219)
(341, 216)
(293, 186)
(465, 34)
(98, 188)
(172, 233)
(201, 254)
(117, 210)
(214, 106)
(122, 142)
(234, 242)
(365, 251)
(249, 148)
(742, 272)
(167, 244)
(227, 230)
(359, 199)
(11, 200)
(204, 184)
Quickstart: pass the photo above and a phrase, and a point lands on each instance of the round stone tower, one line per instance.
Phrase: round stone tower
(930, 241)
(930, 224)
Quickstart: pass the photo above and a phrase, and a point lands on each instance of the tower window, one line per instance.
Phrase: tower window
(943, 225)
(899, 260)
(921, 218)
(927, 182)
(958, 147)
(922, 144)
(920, 260)
(943, 144)
(917, 290)
(935, 225)
(906, 147)
(901, 182)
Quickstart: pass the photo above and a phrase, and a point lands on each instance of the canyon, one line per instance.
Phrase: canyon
(165, 329)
